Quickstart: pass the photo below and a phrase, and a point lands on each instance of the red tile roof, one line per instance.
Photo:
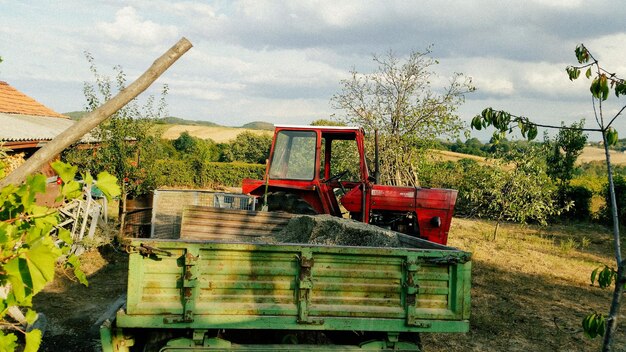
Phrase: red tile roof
(13, 101)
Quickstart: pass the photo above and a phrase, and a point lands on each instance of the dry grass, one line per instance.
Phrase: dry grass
(530, 288)
(217, 134)
(597, 154)
(447, 155)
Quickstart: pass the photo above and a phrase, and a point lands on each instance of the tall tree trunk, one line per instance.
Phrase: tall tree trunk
(611, 325)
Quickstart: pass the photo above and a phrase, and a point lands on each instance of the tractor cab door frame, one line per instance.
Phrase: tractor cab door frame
(329, 170)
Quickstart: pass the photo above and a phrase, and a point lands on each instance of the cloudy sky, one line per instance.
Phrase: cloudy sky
(281, 61)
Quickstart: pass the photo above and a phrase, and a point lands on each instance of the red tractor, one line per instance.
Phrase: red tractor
(323, 170)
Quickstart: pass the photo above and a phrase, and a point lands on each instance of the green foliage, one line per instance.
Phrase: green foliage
(249, 147)
(231, 174)
(579, 200)
(562, 152)
(123, 137)
(594, 325)
(604, 275)
(28, 253)
(619, 184)
(184, 143)
(174, 173)
(516, 189)
(399, 101)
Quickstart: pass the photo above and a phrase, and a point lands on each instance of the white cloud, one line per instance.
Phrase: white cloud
(129, 27)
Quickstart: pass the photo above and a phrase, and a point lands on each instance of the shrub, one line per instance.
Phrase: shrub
(231, 174)
(620, 196)
(580, 196)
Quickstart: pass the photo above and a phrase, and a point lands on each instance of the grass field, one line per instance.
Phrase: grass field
(530, 288)
(217, 134)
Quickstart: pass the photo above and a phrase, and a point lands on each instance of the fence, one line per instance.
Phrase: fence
(168, 206)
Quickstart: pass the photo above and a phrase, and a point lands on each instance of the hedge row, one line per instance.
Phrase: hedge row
(183, 173)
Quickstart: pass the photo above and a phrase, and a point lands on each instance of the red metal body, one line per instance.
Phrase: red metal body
(301, 163)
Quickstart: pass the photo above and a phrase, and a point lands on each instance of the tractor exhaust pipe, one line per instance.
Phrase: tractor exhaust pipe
(376, 161)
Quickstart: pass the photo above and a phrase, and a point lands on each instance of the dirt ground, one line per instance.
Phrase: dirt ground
(72, 309)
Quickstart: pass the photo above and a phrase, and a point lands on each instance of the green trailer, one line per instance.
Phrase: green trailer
(207, 295)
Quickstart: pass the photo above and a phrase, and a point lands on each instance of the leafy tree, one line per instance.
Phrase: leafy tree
(28, 252)
(250, 147)
(398, 100)
(516, 188)
(602, 82)
(563, 151)
(121, 138)
(184, 143)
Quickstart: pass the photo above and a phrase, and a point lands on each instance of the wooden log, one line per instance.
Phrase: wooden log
(94, 118)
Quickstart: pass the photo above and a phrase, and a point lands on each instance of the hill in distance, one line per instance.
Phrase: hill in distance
(259, 125)
(172, 120)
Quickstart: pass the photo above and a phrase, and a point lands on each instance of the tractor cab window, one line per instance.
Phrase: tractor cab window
(294, 155)
(343, 156)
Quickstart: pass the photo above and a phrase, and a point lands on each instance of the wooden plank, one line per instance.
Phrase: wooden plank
(216, 224)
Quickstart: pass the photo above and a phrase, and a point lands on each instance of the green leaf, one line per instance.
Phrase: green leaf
(88, 179)
(588, 73)
(594, 273)
(65, 235)
(611, 136)
(37, 183)
(80, 275)
(620, 88)
(33, 340)
(18, 275)
(107, 183)
(30, 316)
(594, 88)
(7, 342)
(532, 132)
(67, 172)
(72, 190)
(604, 87)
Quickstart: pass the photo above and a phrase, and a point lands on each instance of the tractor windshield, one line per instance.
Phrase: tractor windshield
(294, 155)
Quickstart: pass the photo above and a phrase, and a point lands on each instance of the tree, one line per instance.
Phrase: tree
(184, 143)
(602, 82)
(121, 138)
(250, 147)
(516, 188)
(563, 151)
(398, 100)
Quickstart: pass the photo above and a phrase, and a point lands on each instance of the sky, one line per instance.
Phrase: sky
(281, 61)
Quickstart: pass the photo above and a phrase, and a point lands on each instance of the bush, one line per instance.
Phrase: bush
(620, 196)
(231, 174)
(173, 173)
(580, 196)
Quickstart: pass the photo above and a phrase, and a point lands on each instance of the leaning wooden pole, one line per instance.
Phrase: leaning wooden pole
(94, 118)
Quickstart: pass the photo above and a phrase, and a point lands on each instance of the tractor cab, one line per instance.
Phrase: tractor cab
(323, 170)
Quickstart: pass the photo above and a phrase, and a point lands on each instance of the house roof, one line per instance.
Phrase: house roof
(23, 119)
(12, 101)
(16, 127)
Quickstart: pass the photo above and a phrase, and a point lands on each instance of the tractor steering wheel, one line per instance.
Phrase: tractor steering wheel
(337, 178)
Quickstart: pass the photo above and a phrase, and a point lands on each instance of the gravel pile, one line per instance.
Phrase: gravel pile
(330, 230)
